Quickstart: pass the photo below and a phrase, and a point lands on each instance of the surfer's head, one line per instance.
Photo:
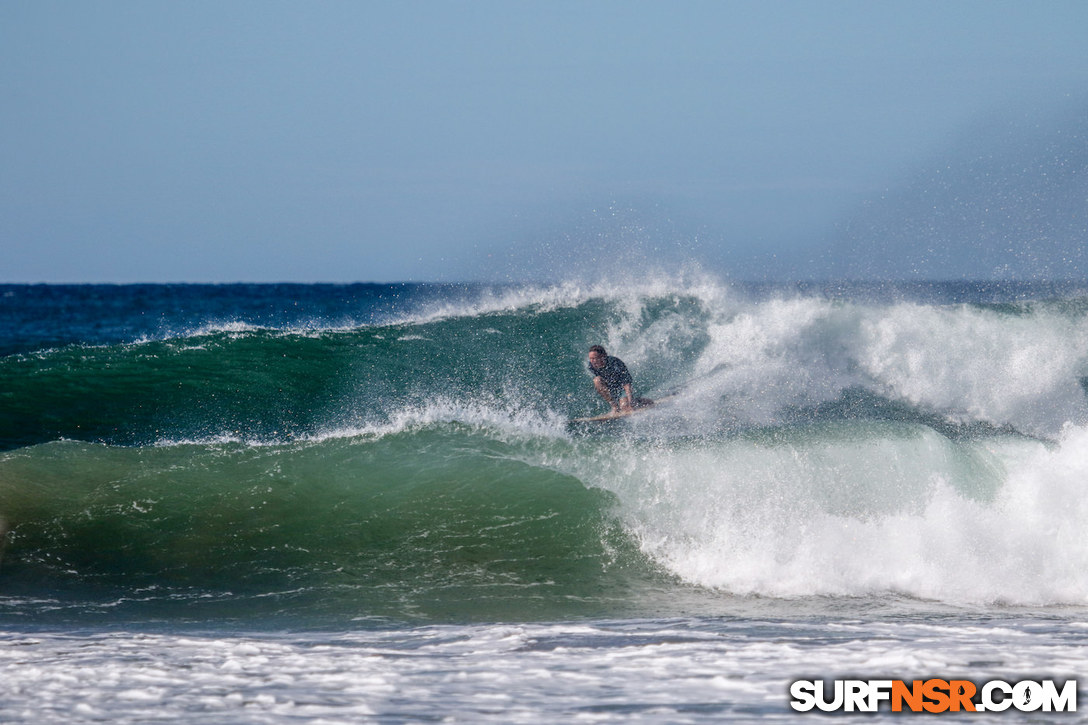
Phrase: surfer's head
(597, 356)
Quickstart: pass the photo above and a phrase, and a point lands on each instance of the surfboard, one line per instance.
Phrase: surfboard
(608, 416)
(644, 404)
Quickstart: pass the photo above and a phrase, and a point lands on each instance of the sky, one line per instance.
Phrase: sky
(336, 141)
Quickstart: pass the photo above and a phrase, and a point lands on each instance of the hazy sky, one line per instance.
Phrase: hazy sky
(384, 141)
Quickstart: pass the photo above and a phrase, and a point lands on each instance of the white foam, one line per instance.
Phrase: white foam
(963, 363)
(977, 364)
(855, 514)
(612, 672)
(765, 356)
(492, 415)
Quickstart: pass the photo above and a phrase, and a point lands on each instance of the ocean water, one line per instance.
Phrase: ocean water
(366, 503)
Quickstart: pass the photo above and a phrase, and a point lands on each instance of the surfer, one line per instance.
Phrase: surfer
(611, 379)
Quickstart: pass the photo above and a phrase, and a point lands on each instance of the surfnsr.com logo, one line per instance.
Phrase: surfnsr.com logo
(933, 695)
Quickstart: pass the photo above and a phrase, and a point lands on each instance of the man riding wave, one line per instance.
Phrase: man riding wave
(612, 380)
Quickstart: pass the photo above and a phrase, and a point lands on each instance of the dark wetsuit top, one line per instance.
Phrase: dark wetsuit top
(614, 374)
